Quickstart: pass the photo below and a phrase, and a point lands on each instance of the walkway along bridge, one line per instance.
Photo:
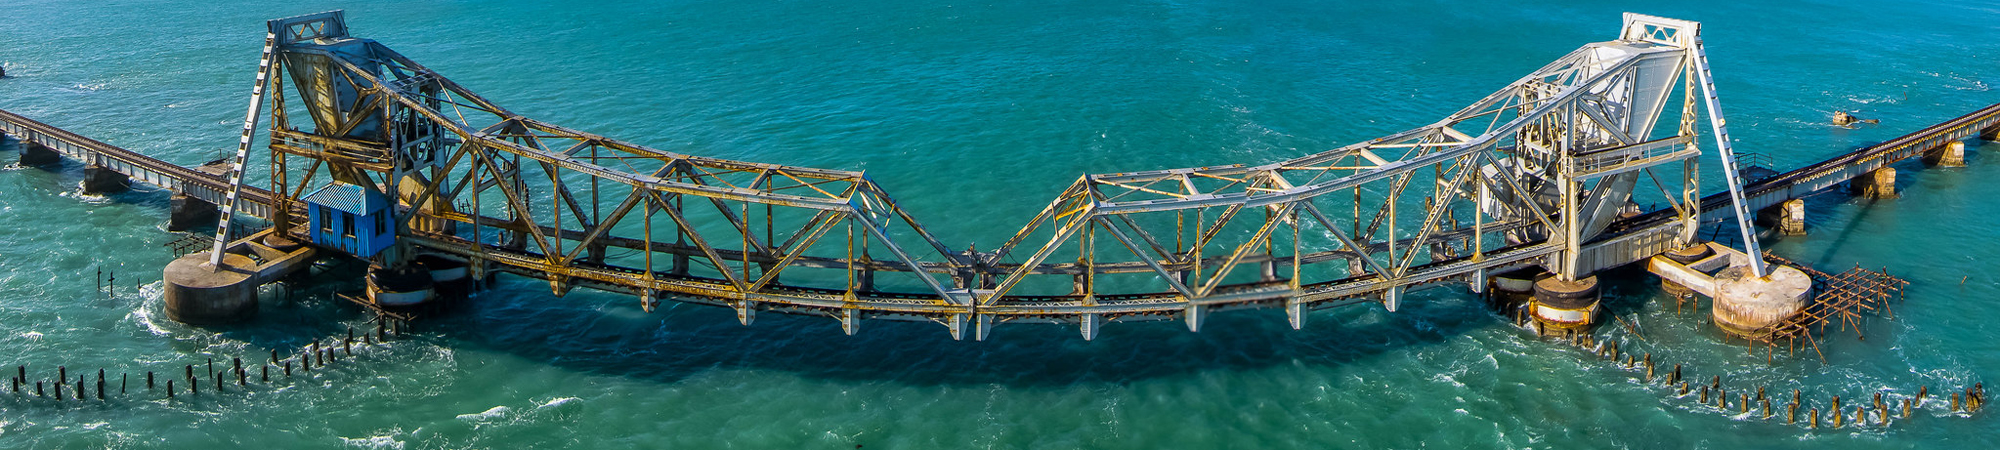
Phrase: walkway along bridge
(1546, 172)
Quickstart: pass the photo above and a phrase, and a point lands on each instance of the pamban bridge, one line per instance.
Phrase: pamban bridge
(1588, 163)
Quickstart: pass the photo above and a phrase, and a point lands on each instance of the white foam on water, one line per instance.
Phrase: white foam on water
(374, 442)
(558, 402)
(32, 335)
(490, 414)
(144, 316)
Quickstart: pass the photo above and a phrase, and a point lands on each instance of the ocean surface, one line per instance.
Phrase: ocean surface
(975, 114)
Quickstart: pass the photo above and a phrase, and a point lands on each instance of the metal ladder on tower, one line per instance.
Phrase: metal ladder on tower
(1728, 156)
(243, 151)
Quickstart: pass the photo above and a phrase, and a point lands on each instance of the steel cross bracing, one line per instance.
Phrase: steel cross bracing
(1522, 177)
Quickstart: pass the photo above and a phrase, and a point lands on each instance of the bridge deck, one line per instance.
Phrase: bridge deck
(189, 182)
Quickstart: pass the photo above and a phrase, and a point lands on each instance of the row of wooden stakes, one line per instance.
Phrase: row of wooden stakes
(308, 357)
(1967, 402)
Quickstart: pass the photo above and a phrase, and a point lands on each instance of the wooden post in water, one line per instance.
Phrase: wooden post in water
(1791, 414)
(170, 388)
(1815, 418)
(149, 380)
(100, 384)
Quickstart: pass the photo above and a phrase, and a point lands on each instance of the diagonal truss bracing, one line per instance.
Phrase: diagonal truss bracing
(1525, 176)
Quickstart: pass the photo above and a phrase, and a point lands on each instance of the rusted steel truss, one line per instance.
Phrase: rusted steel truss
(1522, 177)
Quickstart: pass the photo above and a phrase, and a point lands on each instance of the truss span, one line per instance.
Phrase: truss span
(1525, 176)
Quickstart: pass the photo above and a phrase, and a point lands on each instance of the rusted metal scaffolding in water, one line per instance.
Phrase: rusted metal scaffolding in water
(1533, 174)
(1842, 300)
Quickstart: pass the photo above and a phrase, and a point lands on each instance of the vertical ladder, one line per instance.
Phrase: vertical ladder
(1728, 156)
(243, 151)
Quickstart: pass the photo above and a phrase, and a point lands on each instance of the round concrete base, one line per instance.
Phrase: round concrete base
(199, 296)
(1511, 290)
(1744, 303)
(1566, 304)
(281, 243)
(1691, 254)
(1676, 289)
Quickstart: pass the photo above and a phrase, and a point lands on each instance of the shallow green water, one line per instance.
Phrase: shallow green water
(974, 115)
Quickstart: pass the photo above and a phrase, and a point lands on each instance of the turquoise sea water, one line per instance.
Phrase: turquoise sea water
(975, 115)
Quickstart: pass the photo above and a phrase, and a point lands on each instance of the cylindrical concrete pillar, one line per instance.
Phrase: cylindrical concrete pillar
(1566, 305)
(1512, 290)
(1744, 303)
(197, 294)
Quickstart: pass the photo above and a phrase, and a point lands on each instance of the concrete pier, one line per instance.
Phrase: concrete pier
(1792, 217)
(1877, 184)
(1950, 155)
(36, 154)
(189, 213)
(102, 180)
(200, 296)
(1512, 290)
(1685, 256)
(1744, 303)
(1566, 305)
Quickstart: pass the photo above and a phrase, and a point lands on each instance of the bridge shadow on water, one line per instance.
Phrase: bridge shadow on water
(603, 334)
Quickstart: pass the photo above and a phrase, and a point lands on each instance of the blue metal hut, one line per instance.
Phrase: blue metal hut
(351, 218)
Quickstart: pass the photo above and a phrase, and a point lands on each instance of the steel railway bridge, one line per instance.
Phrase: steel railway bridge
(1549, 171)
